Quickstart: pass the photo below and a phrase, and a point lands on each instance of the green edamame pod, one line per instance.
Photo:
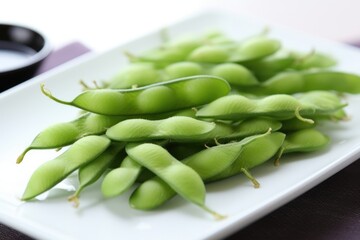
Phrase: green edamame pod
(183, 179)
(91, 172)
(161, 56)
(209, 54)
(236, 107)
(156, 98)
(278, 106)
(50, 173)
(269, 66)
(251, 126)
(294, 82)
(295, 124)
(183, 69)
(330, 80)
(340, 114)
(176, 50)
(255, 48)
(283, 60)
(175, 128)
(313, 60)
(62, 134)
(323, 101)
(155, 192)
(235, 74)
(254, 154)
(206, 163)
(187, 129)
(250, 49)
(286, 82)
(136, 74)
(185, 45)
(224, 132)
(120, 179)
(304, 140)
(151, 194)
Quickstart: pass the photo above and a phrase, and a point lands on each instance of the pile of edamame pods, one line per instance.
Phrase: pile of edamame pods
(190, 112)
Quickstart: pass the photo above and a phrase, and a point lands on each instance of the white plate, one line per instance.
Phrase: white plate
(25, 111)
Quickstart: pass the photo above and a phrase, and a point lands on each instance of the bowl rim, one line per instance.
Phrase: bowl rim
(35, 58)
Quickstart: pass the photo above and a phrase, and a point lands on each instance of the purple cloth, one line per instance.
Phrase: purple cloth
(329, 211)
(62, 55)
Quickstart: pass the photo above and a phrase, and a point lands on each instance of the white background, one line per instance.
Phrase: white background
(104, 24)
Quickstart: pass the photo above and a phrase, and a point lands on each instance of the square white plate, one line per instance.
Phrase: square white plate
(25, 111)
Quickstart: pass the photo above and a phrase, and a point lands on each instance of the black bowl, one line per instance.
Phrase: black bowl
(21, 52)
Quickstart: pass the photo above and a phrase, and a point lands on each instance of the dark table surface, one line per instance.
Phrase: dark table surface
(329, 211)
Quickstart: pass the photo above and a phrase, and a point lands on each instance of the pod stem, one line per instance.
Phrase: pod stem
(268, 131)
(194, 109)
(131, 57)
(250, 177)
(216, 215)
(278, 156)
(47, 93)
(75, 198)
(22, 155)
(217, 142)
(308, 55)
(84, 85)
(301, 118)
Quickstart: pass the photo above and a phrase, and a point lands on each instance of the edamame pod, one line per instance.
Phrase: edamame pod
(250, 49)
(304, 140)
(207, 163)
(210, 54)
(269, 66)
(323, 102)
(284, 60)
(120, 179)
(256, 48)
(278, 106)
(183, 69)
(254, 154)
(187, 129)
(211, 161)
(251, 126)
(91, 172)
(236, 107)
(313, 60)
(178, 49)
(294, 82)
(62, 134)
(52, 172)
(151, 194)
(174, 128)
(161, 56)
(235, 74)
(135, 75)
(156, 98)
(295, 124)
(181, 178)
